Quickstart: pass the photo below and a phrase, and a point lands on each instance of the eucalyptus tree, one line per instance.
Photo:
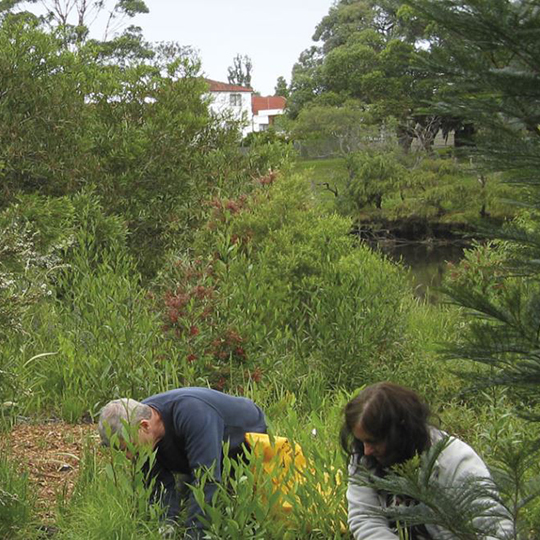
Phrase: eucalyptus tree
(240, 71)
(366, 53)
(77, 17)
(103, 24)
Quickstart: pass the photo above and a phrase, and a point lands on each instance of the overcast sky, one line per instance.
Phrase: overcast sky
(272, 33)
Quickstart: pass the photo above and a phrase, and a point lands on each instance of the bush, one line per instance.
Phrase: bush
(282, 497)
(281, 288)
(94, 335)
(32, 237)
(110, 345)
(373, 176)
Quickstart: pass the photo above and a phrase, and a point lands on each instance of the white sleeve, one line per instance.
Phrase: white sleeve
(460, 462)
(364, 503)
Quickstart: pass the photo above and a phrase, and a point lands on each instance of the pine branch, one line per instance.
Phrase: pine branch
(469, 511)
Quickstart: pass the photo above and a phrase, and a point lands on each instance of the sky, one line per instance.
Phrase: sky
(272, 33)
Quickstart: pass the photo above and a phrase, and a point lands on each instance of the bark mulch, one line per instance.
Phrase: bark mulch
(50, 453)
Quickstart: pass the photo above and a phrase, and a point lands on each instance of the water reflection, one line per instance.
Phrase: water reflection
(427, 261)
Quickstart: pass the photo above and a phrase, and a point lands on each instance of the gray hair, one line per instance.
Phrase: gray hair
(119, 412)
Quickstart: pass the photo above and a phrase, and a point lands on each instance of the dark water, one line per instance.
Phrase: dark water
(427, 261)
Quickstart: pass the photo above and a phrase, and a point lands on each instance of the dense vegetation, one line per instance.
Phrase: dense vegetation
(363, 95)
(143, 248)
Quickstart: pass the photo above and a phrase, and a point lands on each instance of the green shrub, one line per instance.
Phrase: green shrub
(279, 287)
(303, 281)
(268, 500)
(110, 342)
(32, 238)
(373, 176)
(242, 506)
(97, 336)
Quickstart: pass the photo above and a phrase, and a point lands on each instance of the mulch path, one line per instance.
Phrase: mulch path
(50, 453)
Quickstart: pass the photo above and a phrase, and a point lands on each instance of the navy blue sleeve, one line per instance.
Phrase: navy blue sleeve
(202, 428)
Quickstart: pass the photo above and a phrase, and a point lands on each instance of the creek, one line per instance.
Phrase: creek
(427, 262)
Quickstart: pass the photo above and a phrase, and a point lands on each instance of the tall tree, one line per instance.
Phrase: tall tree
(348, 17)
(108, 20)
(240, 71)
(306, 83)
(367, 54)
(281, 89)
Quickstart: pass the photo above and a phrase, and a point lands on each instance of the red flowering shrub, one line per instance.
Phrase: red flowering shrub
(191, 315)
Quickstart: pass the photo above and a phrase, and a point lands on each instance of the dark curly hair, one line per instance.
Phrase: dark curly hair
(392, 414)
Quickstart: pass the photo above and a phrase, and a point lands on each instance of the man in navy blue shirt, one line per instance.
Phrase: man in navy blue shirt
(187, 427)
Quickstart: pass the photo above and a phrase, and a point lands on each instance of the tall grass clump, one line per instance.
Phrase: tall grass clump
(281, 495)
(112, 498)
(16, 502)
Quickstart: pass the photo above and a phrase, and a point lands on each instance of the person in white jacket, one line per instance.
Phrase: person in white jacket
(386, 425)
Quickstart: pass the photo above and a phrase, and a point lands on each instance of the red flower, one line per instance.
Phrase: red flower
(233, 337)
(191, 358)
(194, 330)
(232, 206)
(200, 291)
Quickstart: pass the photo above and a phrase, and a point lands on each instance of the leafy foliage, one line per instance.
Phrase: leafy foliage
(372, 176)
(312, 294)
(367, 54)
(112, 498)
(281, 88)
(500, 99)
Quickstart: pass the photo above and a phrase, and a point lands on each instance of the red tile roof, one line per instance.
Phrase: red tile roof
(216, 86)
(263, 103)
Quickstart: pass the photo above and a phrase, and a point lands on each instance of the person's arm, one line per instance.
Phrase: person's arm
(364, 504)
(459, 465)
(202, 428)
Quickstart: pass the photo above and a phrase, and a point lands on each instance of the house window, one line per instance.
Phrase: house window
(235, 100)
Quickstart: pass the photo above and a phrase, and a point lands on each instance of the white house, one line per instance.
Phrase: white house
(265, 109)
(232, 99)
(240, 103)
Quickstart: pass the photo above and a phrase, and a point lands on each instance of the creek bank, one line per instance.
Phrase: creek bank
(412, 230)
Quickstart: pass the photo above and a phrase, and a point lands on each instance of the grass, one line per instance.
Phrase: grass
(320, 171)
